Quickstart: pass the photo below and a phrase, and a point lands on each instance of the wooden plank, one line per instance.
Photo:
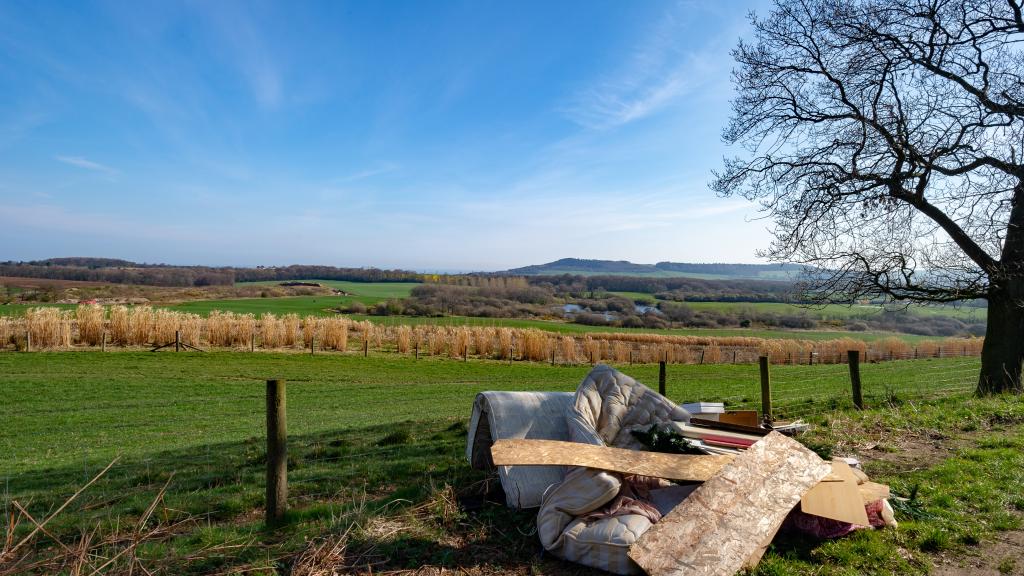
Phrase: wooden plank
(741, 417)
(558, 453)
(522, 452)
(727, 521)
(720, 425)
(837, 500)
(698, 433)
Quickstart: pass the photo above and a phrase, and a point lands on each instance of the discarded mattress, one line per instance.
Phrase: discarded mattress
(505, 415)
(605, 516)
(590, 516)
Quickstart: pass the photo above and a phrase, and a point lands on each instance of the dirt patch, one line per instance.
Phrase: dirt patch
(911, 452)
(1002, 557)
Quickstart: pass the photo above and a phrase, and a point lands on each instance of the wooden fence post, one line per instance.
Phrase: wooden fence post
(766, 391)
(28, 340)
(103, 343)
(177, 340)
(552, 355)
(702, 356)
(252, 342)
(417, 350)
(854, 360)
(366, 348)
(277, 453)
(661, 377)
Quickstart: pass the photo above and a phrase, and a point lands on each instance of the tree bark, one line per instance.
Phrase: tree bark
(1003, 351)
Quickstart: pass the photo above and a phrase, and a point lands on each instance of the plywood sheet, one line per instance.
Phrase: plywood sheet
(657, 464)
(523, 452)
(873, 492)
(837, 500)
(728, 519)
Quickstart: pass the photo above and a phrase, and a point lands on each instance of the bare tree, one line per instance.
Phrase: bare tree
(884, 138)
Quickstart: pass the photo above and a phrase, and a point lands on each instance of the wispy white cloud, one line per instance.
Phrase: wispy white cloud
(80, 162)
(384, 168)
(237, 28)
(658, 73)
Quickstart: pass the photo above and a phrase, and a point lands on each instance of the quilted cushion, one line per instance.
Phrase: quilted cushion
(605, 544)
(607, 406)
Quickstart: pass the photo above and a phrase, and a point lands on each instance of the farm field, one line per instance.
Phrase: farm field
(323, 305)
(135, 402)
(572, 328)
(301, 305)
(319, 305)
(376, 290)
(831, 311)
(378, 442)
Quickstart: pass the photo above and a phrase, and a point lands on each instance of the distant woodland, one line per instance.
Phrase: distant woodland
(125, 272)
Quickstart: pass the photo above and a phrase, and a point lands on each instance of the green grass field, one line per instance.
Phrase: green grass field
(572, 328)
(841, 312)
(828, 312)
(373, 443)
(132, 403)
(378, 290)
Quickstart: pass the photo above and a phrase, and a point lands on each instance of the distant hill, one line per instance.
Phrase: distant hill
(715, 271)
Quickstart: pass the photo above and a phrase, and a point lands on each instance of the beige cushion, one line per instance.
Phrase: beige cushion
(609, 405)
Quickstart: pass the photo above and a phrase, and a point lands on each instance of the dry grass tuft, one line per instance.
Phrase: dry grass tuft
(48, 327)
(90, 320)
(335, 333)
(323, 557)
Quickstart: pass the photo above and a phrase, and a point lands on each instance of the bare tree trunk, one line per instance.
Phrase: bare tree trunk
(1003, 351)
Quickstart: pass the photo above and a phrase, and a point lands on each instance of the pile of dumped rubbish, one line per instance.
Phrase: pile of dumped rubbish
(710, 501)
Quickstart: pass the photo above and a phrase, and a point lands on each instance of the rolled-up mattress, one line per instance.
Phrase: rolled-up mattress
(505, 415)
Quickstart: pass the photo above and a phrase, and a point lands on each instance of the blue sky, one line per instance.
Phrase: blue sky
(426, 135)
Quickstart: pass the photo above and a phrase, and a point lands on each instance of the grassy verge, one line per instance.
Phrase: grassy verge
(377, 467)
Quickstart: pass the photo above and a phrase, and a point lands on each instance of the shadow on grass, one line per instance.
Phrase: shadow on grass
(337, 480)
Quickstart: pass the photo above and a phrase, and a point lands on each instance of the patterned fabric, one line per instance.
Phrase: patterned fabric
(633, 498)
(609, 405)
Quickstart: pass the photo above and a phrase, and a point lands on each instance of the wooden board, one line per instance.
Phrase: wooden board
(837, 500)
(727, 521)
(873, 492)
(657, 464)
(741, 417)
(697, 468)
(732, 427)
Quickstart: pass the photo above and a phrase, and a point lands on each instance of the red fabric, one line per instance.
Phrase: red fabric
(826, 528)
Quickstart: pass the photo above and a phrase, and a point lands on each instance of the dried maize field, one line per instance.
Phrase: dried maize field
(93, 326)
